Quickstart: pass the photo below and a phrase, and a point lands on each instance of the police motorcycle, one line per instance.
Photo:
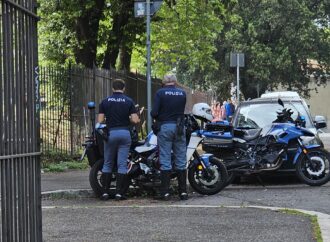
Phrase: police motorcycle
(266, 150)
(207, 175)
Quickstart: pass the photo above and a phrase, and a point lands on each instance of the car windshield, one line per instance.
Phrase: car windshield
(259, 115)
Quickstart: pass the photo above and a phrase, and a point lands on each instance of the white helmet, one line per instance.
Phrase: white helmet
(202, 110)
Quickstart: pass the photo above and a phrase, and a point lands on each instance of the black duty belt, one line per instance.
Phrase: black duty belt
(119, 128)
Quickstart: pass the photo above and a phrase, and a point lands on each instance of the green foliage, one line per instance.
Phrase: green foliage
(278, 38)
(53, 161)
(184, 40)
(56, 38)
(194, 38)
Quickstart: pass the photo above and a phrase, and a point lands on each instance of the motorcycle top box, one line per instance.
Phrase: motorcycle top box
(217, 135)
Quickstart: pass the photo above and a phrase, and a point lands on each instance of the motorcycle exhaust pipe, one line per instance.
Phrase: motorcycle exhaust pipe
(233, 165)
(252, 171)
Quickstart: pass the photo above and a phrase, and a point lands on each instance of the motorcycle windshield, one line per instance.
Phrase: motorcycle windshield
(260, 115)
(276, 129)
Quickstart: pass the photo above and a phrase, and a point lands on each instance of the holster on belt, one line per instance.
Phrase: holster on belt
(155, 127)
(180, 126)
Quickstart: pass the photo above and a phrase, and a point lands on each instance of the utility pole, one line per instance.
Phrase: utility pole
(141, 9)
(237, 60)
(148, 66)
(237, 77)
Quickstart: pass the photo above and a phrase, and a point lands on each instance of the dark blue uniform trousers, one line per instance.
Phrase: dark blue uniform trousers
(117, 146)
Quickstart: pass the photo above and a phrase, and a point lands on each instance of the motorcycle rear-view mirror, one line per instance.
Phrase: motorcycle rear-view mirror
(301, 120)
(280, 102)
(320, 122)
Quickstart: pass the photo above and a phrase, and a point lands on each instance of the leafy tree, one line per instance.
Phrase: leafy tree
(278, 39)
(183, 36)
(122, 36)
(194, 38)
(88, 32)
(69, 30)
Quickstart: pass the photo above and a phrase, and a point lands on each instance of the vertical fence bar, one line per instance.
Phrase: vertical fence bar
(8, 197)
(24, 173)
(47, 71)
(16, 130)
(71, 109)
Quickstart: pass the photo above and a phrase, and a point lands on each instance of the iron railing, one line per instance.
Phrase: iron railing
(20, 218)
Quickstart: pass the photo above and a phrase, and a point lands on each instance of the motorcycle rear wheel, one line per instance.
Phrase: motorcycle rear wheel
(209, 187)
(317, 171)
(95, 177)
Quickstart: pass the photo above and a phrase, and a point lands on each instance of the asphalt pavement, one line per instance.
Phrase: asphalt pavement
(165, 223)
(241, 212)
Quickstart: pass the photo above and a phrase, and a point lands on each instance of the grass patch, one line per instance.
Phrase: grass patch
(64, 166)
(313, 218)
(58, 162)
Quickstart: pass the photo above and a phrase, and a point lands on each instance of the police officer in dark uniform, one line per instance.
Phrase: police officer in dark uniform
(118, 111)
(168, 111)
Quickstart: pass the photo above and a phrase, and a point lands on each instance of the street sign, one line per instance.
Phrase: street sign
(237, 57)
(140, 8)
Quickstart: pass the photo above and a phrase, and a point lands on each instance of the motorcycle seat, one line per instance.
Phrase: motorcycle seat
(250, 137)
(138, 143)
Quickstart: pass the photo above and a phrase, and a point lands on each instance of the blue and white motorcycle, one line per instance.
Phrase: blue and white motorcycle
(207, 175)
(267, 149)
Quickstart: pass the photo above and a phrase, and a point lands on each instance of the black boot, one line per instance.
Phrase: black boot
(182, 182)
(165, 179)
(121, 186)
(106, 182)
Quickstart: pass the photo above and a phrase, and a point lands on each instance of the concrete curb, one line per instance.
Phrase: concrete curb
(71, 193)
(88, 193)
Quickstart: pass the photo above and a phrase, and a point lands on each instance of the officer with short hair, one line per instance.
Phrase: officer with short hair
(118, 111)
(168, 111)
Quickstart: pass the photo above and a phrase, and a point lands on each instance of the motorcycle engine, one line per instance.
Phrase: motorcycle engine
(269, 154)
(270, 157)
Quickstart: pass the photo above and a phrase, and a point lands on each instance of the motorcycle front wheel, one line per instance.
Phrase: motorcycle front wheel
(207, 184)
(314, 170)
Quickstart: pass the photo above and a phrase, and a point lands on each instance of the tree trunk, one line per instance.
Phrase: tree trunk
(120, 20)
(87, 27)
(125, 58)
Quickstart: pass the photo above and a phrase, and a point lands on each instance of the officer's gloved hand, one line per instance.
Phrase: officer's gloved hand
(102, 130)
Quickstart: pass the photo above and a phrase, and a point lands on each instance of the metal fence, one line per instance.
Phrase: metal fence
(65, 92)
(20, 218)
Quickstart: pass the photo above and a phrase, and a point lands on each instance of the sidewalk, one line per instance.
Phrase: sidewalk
(325, 137)
(70, 180)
